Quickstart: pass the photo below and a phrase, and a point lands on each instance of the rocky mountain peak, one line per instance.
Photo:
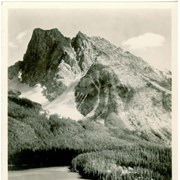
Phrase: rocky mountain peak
(48, 58)
(48, 32)
(85, 52)
(81, 35)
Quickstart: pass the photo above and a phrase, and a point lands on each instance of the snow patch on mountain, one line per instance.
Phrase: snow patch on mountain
(65, 105)
(33, 93)
(20, 75)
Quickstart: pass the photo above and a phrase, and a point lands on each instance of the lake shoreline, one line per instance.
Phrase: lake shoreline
(27, 166)
(45, 173)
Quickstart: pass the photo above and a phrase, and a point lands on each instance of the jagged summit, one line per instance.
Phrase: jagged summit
(85, 52)
(50, 34)
(53, 30)
(81, 35)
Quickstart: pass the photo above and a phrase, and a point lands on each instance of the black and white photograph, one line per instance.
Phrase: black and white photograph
(91, 91)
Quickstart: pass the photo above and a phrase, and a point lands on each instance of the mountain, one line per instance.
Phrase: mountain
(91, 79)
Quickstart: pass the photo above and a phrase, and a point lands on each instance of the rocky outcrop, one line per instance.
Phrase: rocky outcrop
(85, 51)
(15, 70)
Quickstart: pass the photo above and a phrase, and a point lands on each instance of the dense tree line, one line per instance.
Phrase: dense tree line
(98, 152)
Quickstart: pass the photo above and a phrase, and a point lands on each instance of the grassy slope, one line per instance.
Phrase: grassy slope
(99, 152)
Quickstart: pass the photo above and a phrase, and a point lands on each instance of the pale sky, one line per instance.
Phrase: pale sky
(145, 33)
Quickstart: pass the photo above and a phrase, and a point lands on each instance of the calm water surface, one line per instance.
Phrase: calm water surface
(50, 173)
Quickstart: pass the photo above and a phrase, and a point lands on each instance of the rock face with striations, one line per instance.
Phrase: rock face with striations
(124, 91)
(85, 51)
(109, 84)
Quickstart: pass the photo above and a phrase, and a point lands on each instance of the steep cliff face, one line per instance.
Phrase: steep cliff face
(101, 81)
(50, 61)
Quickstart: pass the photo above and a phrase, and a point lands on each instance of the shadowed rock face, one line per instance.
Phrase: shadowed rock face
(14, 69)
(48, 61)
(100, 92)
(98, 88)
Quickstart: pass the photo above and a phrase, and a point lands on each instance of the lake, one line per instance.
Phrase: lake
(50, 173)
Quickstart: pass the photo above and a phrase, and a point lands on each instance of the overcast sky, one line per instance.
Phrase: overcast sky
(145, 33)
